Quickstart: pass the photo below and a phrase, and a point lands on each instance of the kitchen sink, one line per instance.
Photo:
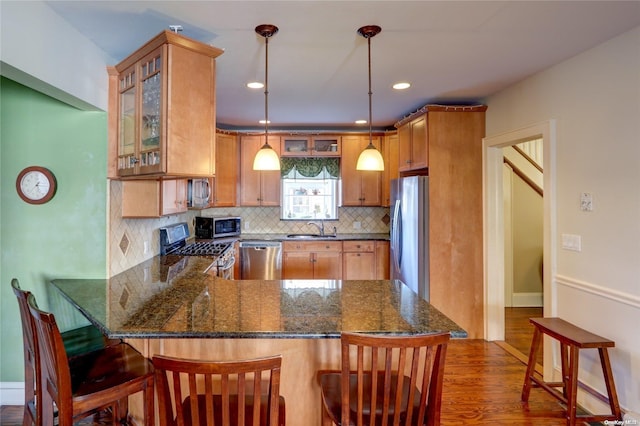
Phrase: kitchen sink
(303, 236)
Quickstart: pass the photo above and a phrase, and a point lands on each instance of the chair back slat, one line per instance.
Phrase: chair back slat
(32, 410)
(392, 380)
(54, 364)
(208, 391)
(219, 393)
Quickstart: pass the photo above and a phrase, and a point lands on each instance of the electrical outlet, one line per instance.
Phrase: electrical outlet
(246, 225)
(357, 225)
(146, 247)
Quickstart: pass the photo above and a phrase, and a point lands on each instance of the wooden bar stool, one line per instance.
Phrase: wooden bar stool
(385, 380)
(76, 342)
(79, 386)
(219, 393)
(571, 339)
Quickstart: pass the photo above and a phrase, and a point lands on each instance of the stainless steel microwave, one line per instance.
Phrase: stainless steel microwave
(217, 227)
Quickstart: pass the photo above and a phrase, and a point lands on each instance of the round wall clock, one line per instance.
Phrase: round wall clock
(36, 185)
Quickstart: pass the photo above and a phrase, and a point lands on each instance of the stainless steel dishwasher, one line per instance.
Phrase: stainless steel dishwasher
(261, 260)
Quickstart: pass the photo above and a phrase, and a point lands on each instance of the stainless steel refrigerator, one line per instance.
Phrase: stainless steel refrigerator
(410, 233)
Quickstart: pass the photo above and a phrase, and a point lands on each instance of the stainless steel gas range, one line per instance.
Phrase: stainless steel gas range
(173, 241)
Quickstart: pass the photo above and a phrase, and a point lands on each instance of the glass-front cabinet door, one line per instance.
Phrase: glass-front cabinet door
(127, 135)
(329, 146)
(310, 146)
(140, 136)
(295, 146)
(151, 117)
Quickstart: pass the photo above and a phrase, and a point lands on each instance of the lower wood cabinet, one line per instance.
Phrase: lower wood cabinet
(358, 260)
(365, 260)
(383, 267)
(153, 198)
(312, 260)
(335, 260)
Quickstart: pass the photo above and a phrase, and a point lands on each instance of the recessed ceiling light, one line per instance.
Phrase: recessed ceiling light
(402, 85)
(255, 85)
(361, 121)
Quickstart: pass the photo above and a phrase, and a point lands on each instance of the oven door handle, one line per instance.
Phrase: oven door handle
(227, 265)
(226, 271)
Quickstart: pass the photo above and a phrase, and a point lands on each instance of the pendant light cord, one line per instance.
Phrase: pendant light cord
(370, 95)
(266, 90)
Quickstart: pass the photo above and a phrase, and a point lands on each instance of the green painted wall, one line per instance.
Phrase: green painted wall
(63, 238)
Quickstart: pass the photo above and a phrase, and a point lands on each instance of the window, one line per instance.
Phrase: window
(310, 188)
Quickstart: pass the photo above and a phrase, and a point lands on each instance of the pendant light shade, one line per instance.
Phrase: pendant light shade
(266, 158)
(370, 158)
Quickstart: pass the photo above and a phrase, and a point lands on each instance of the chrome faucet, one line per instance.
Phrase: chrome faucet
(320, 227)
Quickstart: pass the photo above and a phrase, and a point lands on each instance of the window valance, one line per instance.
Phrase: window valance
(310, 167)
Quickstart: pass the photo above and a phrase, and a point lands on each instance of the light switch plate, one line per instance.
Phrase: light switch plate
(586, 202)
(572, 242)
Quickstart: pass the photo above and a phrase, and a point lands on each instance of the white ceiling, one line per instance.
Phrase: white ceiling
(451, 51)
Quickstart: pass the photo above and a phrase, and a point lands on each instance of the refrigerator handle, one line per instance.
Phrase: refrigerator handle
(397, 235)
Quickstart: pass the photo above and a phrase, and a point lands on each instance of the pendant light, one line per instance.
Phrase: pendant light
(266, 158)
(370, 158)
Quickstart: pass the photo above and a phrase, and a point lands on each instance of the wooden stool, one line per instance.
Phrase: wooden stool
(575, 339)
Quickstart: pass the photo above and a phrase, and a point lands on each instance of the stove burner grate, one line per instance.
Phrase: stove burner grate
(203, 249)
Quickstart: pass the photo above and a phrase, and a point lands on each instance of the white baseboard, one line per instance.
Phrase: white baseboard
(11, 393)
(526, 300)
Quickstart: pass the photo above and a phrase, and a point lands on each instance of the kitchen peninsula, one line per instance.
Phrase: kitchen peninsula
(168, 305)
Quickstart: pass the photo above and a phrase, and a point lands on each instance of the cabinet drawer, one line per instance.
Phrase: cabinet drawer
(358, 246)
(312, 246)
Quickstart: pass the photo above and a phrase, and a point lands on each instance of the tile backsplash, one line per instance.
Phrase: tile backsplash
(127, 237)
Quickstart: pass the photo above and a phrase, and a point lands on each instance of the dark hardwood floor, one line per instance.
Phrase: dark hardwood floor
(482, 387)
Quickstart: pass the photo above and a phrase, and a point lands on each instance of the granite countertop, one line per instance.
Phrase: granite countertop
(338, 237)
(171, 297)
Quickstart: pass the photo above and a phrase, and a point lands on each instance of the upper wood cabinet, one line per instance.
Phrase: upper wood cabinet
(413, 145)
(153, 198)
(258, 188)
(165, 109)
(225, 184)
(359, 188)
(311, 146)
(390, 155)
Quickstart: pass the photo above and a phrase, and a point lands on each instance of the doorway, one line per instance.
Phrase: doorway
(494, 225)
(523, 189)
